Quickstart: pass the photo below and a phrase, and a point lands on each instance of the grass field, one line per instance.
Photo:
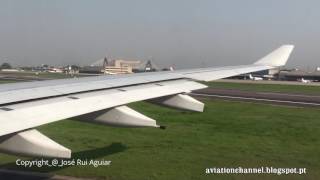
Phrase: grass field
(298, 89)
(7, 81)
(39, 75)
(227, 134)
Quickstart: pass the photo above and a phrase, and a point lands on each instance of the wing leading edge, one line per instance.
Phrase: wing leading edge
(102, 100)
(275, 59)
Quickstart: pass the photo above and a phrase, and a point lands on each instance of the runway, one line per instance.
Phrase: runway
(265, 97)
(269, 82)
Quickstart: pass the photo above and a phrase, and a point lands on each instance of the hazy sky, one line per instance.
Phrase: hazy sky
(185, 33)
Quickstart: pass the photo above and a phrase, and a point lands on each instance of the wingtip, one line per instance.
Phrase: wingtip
(289, 46)
(278, 57)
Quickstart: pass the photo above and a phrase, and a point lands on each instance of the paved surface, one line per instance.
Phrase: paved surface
(266, 97)
(269, 82)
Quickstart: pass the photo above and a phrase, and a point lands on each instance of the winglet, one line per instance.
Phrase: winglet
(277, 57)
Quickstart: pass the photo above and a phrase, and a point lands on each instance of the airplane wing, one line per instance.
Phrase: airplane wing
(103, 99)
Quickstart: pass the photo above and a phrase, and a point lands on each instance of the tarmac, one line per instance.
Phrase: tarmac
(269, 82)
(300, 100)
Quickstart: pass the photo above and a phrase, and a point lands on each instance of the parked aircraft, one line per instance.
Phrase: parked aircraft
(255, 78)
(102, 99)
(305, 80)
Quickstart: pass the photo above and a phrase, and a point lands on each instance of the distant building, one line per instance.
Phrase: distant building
(117, 66)
(295, 75)
(120, 66)
(147, 66)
